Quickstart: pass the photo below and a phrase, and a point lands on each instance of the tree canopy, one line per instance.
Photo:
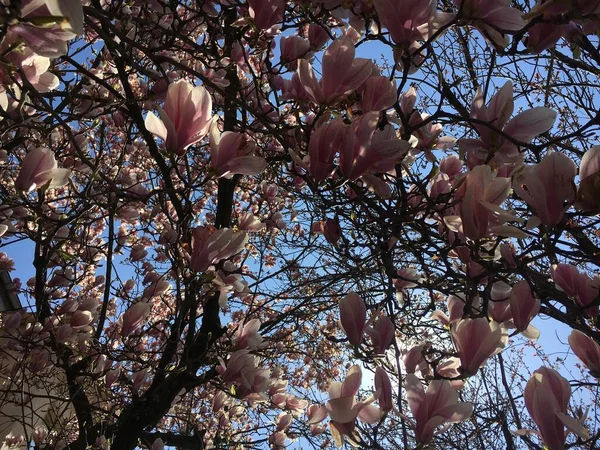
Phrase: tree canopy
(265, 224)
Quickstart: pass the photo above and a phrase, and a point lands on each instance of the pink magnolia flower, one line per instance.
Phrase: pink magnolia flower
(39, 169)
(323, 145)
(231, 153)
(450, 368)
(524, 306)
(247, 335)
(134, 317)
(587, 350)
(81, 319)
(382, 334)
(406, 22)
(451, 166)
(342, 73)
(548, 186)
(455, 305)
(293, 47)
(266, 13)
(582, 289)
(480, 195)
(407, 278)
(490, 16)
(545, 34)
(185, 119)
(428, 136)
(588, 195)
(414, 360)
(383, 387)
(363, 152)
(242, 369)
(567, 278)
(379, 94)
(332, 230)
(547, 396)
(249, 222)
(316, 413)
(407, 102)
(353, 317)
(343, 409)
(158, 444)
(35, 68)
(523, 128)
(499, 305)
(434, 407)
(210, 248)
(318, 35)
(3, 100)
(50, 39)
(277, 439)
(476, 340)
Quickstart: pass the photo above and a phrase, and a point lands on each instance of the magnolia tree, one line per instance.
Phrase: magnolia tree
(272, 224)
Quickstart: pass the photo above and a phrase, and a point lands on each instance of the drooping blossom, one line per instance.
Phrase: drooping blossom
(476, 340)
(353, 317)
(499, 305)
(185, 119)
(277, 439)
(293, 47)
(434, 407)
(456, 307)
(588, 194)
(547, 187)
(587, 350)
(545, 33)
(318, 35)
(567, 278)
(383, 387)
(228, 283)
(580, 287)
(316, 413)
(428, 135)
(231, 153)
(342, 73)
(451, 166)
(39, 168)
(382, 334)
(406, 21)
(408, 277)
(524, 306)
(210, 248)
(414, 360)
(547, 396)
(449, 368)
(494, 18)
